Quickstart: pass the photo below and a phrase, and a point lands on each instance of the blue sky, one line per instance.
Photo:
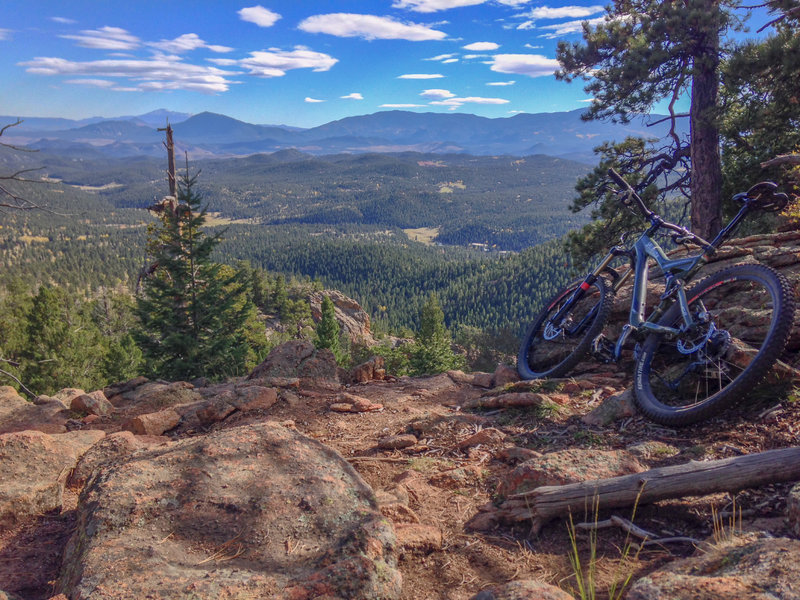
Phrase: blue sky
(293, 62)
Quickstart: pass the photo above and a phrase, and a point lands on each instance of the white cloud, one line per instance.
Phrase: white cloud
(482, 46)
(400, 105)
(569, 27)
(472, 56)
(441, 57)
(449, 61)
(437, 94)
(502, 83)
(5, 34)
(532, 47)
(369, 27)
(353, 96)
(275, 62)
(420, 76)
(313, 100)
(160, 72)
(456, 102)
(429, 6)
(63, 20)
(186, 43)
(532, 65)
(561, 12)
(106, 38)
(100, 83)
(263, 17)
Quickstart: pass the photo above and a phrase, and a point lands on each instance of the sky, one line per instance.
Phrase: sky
(291, 62)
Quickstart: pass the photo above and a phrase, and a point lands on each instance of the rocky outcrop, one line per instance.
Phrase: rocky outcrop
(47, 415)
(34, 467)
(353, 321)
(745, 568)
(298, 358)
(253, 511)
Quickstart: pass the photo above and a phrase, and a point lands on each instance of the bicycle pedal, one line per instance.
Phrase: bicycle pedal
(603, 349)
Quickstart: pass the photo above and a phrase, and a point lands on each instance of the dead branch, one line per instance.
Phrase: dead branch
(691, 479)
(782, 159)
(648, 538)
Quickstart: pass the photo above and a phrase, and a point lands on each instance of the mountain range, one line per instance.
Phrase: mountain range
(205, 135)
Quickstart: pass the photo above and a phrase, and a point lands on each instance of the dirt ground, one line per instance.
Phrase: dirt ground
(447, 483)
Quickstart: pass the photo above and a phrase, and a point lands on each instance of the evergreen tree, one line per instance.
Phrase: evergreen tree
(193, 312)
(328, 330)
(63, 347)
(432, 351)
(647, 51)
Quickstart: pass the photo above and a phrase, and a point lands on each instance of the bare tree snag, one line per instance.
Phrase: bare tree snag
(691, 479)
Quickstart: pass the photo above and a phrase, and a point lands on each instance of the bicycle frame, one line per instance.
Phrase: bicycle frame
(677, 273)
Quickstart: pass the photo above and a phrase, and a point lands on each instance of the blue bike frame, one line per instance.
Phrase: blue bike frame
(677, 273)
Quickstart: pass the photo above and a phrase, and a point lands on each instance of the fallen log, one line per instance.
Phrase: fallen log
(694, 478)
(782, 159)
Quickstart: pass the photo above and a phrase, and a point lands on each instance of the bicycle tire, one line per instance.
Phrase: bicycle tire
(597, 307)
(733, 359)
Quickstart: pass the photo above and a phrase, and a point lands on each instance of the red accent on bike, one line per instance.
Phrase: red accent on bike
(585, 286)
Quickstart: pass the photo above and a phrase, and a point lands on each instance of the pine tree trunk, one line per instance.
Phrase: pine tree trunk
(706, 176)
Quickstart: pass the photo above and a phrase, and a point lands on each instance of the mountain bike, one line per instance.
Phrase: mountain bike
(701, 348)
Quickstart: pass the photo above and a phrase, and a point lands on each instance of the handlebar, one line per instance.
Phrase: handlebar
(680, 236)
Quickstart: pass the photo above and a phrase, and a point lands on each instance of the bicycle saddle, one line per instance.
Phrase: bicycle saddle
(763, 197)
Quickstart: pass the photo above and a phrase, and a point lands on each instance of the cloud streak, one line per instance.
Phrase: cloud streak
(369, 27)
(105, 38)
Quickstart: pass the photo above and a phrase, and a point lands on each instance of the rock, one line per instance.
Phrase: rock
(113, 447)
(793, 509)
(67, 395)
(353, 320)
(417, 537)
(34, 468)
(523, 590)
(94, 403)
(515, 454)
(569, 466)
(745, 568)
(504, 375)
(457, 478)
(373, 369)
(154, 396)
(254, 397)
(153, 423)
(17, 414)
(298, 358)
(213, 412)
(652, 449)
(125, 386)
(397, 442)
(355, 404)
(487, 436)
(257, 511)
(612, 409)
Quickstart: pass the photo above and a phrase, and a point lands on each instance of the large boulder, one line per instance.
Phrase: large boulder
(258, 511)
(744, 568)
(298, 358)
(34, 468)
(353, 320)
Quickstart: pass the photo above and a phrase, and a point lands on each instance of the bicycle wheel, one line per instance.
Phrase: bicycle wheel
(744, 315)
(551, 349)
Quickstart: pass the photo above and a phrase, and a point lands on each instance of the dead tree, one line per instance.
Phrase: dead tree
(544, 503)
